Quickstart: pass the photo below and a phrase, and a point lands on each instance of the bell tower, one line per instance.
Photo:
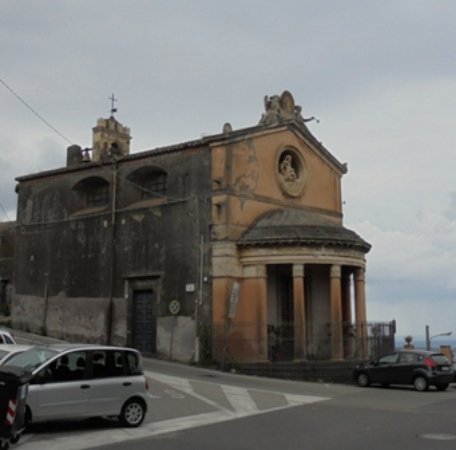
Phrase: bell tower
(107, 135)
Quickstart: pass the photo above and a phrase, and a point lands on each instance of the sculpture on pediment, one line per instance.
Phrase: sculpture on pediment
(272, 106)
(280, 109)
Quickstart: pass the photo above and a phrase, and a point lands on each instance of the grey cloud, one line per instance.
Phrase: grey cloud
(379, 75)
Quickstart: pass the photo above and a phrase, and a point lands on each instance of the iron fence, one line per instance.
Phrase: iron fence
(258, 341)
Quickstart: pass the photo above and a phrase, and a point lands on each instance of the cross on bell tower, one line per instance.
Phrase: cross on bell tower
(113, 99)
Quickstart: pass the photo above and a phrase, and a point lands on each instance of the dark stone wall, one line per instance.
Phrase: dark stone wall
(7, 237)
(7, 232)
(66, 251)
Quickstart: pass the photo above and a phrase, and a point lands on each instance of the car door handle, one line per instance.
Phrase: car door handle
(126, 383)
(85, 386)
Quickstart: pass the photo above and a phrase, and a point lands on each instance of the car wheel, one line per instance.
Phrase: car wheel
(363, 380)
(421, 383)
(14, 439)
(133, 413)
(442, 386)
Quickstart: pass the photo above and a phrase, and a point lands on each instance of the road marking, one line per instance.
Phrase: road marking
(98, 438)
(240, 399)
(183, 385)
(296, 400)
(113, 436)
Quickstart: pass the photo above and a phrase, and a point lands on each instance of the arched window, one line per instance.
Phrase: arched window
(150, 181)
(94, 191)
(98, 196)
(153, 185)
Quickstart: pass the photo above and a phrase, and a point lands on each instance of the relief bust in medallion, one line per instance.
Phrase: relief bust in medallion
(291, 172)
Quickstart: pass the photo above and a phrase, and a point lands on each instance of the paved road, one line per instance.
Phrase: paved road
(177, 403)
(194, 408)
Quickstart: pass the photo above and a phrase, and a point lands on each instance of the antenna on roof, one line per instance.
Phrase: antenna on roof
(113, 110)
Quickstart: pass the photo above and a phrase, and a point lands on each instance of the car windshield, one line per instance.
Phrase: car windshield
(32, 358)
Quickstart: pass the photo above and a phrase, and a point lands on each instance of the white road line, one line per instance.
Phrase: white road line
(296, 400)
(95, 439)
(83, 441)
(240, 400)
(183, 385)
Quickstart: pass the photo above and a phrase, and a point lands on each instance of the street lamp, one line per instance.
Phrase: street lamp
(429, 338)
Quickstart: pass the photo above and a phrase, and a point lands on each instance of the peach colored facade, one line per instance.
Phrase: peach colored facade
(278, 231)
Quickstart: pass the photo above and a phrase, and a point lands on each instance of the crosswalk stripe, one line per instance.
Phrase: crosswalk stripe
(183, 385)
(295, 400)
(240, 400)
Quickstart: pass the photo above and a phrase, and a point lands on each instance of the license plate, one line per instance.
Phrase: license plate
(445, 369)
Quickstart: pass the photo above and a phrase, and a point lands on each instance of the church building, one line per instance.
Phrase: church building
(231, 245)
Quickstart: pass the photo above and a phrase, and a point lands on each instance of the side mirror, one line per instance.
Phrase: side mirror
(42, 377)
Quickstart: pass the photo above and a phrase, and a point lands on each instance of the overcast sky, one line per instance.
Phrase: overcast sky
(380, 76)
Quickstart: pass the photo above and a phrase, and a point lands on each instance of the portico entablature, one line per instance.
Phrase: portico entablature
(301, 255)
(225, 260)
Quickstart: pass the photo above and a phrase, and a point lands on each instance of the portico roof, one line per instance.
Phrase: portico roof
(297, 227)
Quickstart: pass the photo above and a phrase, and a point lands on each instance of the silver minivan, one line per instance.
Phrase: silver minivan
(79, 380)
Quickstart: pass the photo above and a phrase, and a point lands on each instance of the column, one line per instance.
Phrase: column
(347, 319)
(337, 352)
(360, 312)
(253, 308)
(299, 311)
(346, 296)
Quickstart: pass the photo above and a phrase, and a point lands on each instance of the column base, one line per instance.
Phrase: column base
(299, 360)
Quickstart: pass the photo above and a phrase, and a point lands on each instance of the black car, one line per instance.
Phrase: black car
(419, 368)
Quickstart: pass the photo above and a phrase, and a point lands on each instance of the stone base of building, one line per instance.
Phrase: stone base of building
(319, 371)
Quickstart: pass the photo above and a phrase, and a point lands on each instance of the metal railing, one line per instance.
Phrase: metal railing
(240, 342)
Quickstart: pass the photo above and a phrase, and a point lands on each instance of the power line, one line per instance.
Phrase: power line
(66, 139)
(34, 112)
(6, 214)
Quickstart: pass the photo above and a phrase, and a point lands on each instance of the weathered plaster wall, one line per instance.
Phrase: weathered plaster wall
(176, 338)
(78, 257)
(246, 186)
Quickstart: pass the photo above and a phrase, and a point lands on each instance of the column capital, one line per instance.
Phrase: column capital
(336, 271)
(298, 270)
(254, 271)
(360, 274)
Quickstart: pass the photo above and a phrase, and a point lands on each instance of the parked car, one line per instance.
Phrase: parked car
(7, 351)
(70, 381)
(419, 368)
(6, 337)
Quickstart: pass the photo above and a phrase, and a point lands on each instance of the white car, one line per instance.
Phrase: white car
(83, 380)
(7, 351)
(6, 337)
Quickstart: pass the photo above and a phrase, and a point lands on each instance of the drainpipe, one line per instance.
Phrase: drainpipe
(110, 312)
(46, 304)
